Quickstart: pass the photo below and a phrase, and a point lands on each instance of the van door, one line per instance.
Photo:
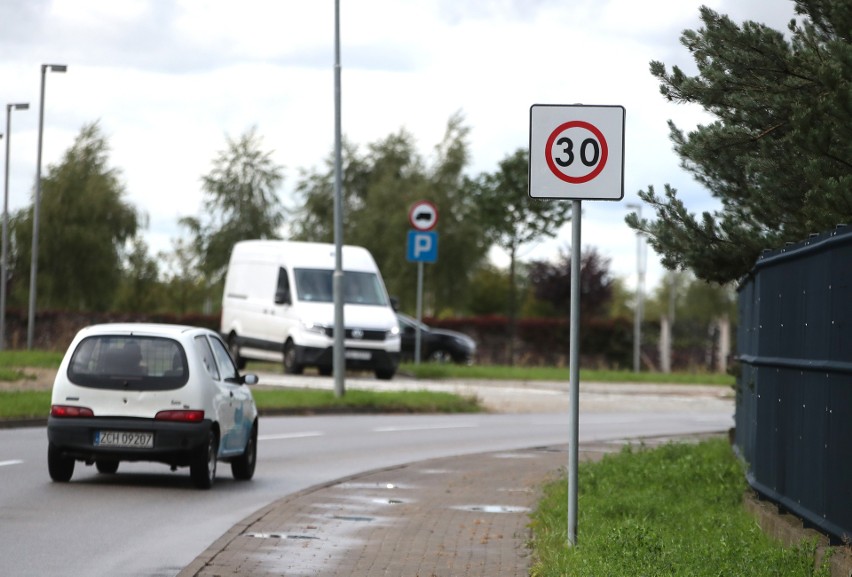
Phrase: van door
(280, 312)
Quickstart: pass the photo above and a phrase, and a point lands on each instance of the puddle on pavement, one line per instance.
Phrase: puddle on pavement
(493, 508)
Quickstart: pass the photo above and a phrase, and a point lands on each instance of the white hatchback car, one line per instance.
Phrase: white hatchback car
(151, 392)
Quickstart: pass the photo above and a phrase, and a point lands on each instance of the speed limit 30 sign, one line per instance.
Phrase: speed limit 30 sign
(576, 152)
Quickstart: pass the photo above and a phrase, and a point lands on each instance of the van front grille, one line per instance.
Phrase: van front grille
(359, 334)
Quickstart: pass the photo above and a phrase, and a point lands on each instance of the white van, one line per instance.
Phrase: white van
(278, 305)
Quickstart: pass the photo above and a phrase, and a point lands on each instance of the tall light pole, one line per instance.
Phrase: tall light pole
(640, 292)
(36, 205)
(3, 256)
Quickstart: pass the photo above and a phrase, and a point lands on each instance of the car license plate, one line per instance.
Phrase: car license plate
(358, 355)
(132, 439)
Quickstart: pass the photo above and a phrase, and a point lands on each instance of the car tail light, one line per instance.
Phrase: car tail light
(183, 416)
(70, 411)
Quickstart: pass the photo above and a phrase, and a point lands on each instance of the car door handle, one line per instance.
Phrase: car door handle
(232, 394)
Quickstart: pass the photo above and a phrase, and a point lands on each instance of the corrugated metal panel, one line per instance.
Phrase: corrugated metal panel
(794, 391)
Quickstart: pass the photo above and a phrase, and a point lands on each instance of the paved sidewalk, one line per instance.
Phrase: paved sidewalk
(449, 517)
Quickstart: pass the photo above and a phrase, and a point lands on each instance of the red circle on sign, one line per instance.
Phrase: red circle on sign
(416, 219)
(604, 152)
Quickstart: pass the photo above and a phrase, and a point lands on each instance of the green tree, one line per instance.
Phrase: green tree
(379, 187)
(84, 226)
(778, 157)
(140, 289)
(511, 219)
(240, 202)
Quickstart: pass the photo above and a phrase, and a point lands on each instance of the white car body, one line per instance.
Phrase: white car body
(179, 400)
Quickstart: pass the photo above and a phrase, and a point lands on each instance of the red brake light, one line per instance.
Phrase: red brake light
(190, 416)
(70, 411)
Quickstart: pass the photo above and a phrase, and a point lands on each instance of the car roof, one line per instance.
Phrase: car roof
(148, 329)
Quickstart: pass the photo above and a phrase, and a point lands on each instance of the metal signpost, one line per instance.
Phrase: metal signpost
(576, 153)
(422, 247)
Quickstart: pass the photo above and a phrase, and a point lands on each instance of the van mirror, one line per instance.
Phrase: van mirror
(394, 304)
(282, 297)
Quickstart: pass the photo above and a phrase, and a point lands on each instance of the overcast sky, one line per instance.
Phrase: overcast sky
(168, 80)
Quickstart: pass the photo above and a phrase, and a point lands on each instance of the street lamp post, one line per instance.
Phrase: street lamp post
(36, 203)
(640, 293)
(3, 256)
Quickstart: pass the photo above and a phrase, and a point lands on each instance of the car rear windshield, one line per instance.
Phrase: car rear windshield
(129, 363)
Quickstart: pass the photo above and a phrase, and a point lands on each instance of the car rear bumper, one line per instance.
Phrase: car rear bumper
(174, 443)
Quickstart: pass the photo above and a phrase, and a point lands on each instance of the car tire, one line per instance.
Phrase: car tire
(384, 374)
(234, 347)
(440, 356)
(291, 367)
(325, 370)
(60, 467)
(202, 470)
(106, 467)
(242, 468)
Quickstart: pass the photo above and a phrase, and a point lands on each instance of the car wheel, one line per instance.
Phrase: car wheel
(243, 466)
(203, 467)
(59, 466)
(325, 370)
(291, 367)
(107, 467)
(234, 347)
(440, 356)
(384, 374)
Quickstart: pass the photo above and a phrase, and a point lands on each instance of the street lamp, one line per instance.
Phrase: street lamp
(640, 291)
(3, 256)
(36, 203)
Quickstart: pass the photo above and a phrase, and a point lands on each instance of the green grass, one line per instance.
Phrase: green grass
(308, 400)
(449, 371)
(36, 404)
(667, 512)
(36, 359)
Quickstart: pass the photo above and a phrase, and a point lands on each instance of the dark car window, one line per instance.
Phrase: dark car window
(223, 357)
(128, 362)
(202, 348)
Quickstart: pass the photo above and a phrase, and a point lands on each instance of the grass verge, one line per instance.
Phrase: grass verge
(36, 404)
(448, 371)
(671, 511)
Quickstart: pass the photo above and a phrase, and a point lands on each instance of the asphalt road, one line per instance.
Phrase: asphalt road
(147, 520)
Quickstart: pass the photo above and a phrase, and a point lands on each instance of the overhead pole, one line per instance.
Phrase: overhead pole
(339, 360)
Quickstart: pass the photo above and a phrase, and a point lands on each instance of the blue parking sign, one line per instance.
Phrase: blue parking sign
(422, 246)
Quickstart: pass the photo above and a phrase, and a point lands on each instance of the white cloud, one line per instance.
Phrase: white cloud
(169, 80)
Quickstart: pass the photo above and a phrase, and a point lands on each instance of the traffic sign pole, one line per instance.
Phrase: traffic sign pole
(574, 368)
(576, 153)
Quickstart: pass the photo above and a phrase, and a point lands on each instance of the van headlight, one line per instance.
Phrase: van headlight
(394, 332)
(315, 328)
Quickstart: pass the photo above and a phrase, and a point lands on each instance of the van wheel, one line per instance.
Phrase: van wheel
(234, 347)
(291, 367)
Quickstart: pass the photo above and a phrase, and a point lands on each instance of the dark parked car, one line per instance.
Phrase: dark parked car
(438, 345)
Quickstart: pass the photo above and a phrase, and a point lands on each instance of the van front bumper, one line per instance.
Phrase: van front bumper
(356, 358)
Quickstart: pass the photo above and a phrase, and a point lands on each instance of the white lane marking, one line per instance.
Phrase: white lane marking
(289, 436)
(13, 462)
(422, 428)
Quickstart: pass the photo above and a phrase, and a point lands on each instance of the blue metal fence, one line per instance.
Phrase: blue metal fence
(794, 391)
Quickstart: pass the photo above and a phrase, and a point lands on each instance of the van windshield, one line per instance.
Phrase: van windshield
(361, 288)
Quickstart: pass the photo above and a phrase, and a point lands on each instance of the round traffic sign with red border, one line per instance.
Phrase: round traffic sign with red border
(576, 151)
(423, 215)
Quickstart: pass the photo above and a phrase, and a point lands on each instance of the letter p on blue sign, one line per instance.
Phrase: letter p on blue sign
(422, 246)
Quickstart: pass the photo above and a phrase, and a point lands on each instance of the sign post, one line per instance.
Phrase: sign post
(422, 247)
(576, 153)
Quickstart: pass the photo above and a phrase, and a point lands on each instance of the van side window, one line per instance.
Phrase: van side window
(282, 289)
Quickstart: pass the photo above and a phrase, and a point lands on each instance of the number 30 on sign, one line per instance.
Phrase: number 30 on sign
(577, 152)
